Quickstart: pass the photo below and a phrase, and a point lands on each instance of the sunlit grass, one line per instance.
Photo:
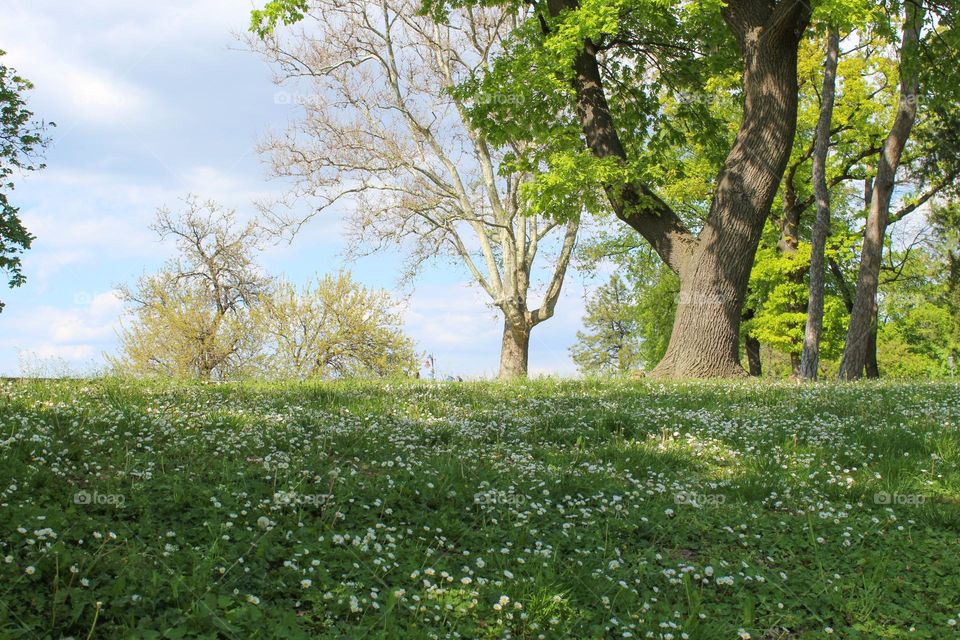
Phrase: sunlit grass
(479, 510)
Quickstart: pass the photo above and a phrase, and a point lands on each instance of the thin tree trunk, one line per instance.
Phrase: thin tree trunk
(862, 319)
(752, 347)
(754, 364)
(872, 368)
(810, 358)
(515, 351)
(794, 366)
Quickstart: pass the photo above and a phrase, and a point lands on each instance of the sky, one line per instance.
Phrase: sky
(155, 101)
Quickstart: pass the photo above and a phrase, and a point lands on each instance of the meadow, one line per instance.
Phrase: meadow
(544, 509)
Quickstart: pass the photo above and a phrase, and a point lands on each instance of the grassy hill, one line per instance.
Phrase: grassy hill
(470, 510)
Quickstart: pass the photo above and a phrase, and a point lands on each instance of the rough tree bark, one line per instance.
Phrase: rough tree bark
(515, 351)
(863, 317)
(810, 358)
(714, 266)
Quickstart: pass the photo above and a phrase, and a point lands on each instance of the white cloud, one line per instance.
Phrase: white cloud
(75, 334)
(69, 88)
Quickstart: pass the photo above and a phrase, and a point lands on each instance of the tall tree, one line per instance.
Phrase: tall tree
(617, 60)
(22, 140)
(863, 315)
(810, 359)
(386, 127)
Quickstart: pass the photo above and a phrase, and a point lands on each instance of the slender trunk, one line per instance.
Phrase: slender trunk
(794, 365)
(810, 358)
(862, 319)
(787, 246)
(872, 368)
(515, 351)
(752, 347)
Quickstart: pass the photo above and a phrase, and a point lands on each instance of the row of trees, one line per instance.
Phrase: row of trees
(753, 153)
(739, 142)
(629, 317)
(212, 313)
(877, 139)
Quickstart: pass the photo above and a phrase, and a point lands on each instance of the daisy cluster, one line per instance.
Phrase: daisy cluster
(427, 510)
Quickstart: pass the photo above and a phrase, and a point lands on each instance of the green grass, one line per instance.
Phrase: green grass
(469, 510)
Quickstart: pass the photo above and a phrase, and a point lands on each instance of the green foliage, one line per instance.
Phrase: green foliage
(21, 142)
(920, 306)
(642, 295)
(264, 21)
(674, 123)
(611, 343)
(575, 509)
(778, 295)
(334, 328)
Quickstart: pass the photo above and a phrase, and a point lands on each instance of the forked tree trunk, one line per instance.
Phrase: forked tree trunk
(714, 277)
(515, 351)
(714, 266)
(863, 316)
(810, 358)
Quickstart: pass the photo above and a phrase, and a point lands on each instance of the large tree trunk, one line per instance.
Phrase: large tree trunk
(515, 351)
(810, 358)
(705, 341)
(862, 318)
(714, 267)
(714, 277)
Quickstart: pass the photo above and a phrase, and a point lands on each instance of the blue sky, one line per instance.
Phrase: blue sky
(154, 101)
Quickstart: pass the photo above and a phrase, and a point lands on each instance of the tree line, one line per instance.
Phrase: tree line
(747, 147)
(212, 312)
(739, 165)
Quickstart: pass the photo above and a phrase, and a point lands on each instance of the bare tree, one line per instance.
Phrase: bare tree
(384, 128)
(192, 317)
